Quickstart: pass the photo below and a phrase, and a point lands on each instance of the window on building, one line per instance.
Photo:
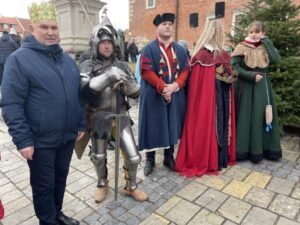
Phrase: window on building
(236, 19)
(194, 19)
(5, 26)
(150, 4)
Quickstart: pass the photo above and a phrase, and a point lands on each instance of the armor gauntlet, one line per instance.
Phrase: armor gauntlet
(111, 75)
(131, 89)
(130, 86)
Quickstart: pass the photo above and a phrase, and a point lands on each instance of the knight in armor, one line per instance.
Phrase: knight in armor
(106, 83)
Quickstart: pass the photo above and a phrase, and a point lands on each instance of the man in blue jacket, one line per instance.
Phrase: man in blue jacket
(42, 109)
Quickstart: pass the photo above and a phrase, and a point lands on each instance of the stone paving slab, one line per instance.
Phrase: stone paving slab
(237, 172)
(237, 189)
(296, 192)
(206, 217)
(211, 199)
(259, 216)
(216, 182)
(183, 212)
(192, 191)
(285, 206)
(285, 221)
(258, 179)
(234, 209)
(281, 186)
(259, 197)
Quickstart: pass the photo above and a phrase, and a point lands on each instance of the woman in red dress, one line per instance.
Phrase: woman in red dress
(208, 138)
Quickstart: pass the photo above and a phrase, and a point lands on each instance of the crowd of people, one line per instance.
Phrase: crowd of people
(220, 106)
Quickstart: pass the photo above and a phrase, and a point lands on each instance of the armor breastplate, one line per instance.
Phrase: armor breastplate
(106, 100)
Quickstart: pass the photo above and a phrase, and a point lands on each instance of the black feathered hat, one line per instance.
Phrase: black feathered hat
(163, 18)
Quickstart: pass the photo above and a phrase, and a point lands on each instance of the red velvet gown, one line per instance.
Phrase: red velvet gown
(199, 149)
(1, 210)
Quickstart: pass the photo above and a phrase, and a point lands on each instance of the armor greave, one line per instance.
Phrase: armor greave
(128, 144)
(130, 176)
(132, 157)
(98, 158)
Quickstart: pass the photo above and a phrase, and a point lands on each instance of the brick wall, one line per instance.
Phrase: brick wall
(140, 21)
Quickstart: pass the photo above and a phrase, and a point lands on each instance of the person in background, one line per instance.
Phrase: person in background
(42, 109)
(133, 51)
(137, 72)
(7, 46)
(15, 36)
(126, 51)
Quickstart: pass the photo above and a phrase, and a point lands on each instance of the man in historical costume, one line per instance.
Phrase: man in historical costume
(164, 69)
(105, 84)
(258, 136)
(208, 139)
(42, 109)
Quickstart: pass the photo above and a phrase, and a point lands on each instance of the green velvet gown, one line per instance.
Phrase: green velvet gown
(252, 140)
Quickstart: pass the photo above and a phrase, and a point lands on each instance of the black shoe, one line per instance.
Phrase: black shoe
(168, 158)
(148, 169)
(65, 220)
(110, 146)
(169, 163)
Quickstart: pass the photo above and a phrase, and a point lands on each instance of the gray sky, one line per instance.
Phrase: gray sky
(117, 10)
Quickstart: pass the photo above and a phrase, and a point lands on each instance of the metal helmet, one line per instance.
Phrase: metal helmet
(104, 34)
(101, 32)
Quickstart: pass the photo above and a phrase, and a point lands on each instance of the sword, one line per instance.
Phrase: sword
(117, 116)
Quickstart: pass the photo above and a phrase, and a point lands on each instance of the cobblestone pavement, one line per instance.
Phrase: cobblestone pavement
(258, 194)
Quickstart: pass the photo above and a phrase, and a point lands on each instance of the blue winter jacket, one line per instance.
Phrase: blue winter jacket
(40, 96)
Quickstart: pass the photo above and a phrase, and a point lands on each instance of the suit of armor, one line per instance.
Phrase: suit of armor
(106, 83)
(99, 87)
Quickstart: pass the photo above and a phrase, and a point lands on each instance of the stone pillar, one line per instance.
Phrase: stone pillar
(75, 26)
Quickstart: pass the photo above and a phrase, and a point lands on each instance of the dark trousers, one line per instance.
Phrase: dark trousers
(133, 58)
(168, 153)
(48, 174)
(1, 72)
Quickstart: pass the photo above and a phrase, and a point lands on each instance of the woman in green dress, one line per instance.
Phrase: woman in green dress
(257, 131)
